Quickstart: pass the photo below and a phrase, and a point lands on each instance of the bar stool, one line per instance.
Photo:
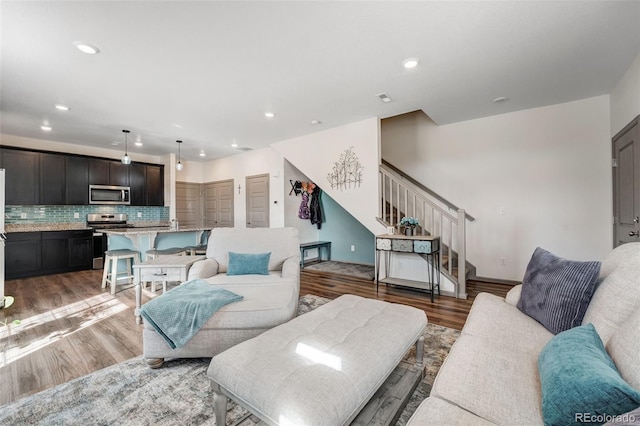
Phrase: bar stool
(110, 274)
(173, 251)
(200, 248)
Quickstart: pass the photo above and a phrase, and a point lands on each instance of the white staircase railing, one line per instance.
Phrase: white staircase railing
(399, 197)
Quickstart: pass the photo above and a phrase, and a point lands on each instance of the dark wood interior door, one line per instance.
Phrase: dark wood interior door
(626, 185)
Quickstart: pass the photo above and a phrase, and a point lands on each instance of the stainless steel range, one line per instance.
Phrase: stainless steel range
(98, 222)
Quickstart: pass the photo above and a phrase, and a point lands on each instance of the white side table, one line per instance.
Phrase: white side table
(163, 268)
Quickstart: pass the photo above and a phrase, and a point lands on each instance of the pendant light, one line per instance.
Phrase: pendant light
(179, 164)
(125, 158)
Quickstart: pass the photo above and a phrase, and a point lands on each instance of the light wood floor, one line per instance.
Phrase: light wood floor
(71, 327)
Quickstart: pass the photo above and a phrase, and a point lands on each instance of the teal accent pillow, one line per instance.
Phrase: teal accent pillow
(579, 380)
(248, 263)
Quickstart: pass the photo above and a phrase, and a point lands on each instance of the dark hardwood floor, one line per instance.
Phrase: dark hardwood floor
(70, 327)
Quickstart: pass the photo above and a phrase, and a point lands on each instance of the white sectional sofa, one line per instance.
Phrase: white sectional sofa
(491, 374)
(268, 300)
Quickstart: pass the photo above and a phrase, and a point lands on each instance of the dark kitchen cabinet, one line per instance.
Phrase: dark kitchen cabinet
(55, 249)
(52, 179)
(30, 254)
(22, 176)
(98, 172)
(137, 181)
(77, 176)
(64, 251)
(118, 173)
(155, 185)
(22, 255)
(47, 178)
(80, 250)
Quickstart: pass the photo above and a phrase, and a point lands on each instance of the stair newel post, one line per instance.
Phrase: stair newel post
(461, 292)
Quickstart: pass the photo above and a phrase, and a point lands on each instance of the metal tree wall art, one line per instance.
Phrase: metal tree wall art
(346, 172)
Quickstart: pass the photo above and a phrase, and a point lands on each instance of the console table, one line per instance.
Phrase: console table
(425, 246)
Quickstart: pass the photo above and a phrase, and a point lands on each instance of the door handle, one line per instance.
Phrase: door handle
(634, 233)
(636, 219)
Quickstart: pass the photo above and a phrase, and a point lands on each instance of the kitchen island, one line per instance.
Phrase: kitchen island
(159, 238)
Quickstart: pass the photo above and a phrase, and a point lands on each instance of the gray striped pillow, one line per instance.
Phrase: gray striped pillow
(556, 292)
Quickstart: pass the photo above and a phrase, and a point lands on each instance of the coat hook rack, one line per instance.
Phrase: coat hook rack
(296, 187)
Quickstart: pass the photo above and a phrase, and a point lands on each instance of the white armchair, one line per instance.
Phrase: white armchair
(268, 300)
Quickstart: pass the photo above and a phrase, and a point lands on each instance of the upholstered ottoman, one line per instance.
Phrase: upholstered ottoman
(320, 368)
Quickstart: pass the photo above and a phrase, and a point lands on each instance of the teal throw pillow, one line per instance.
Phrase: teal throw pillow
(248, 263)
(580, 382)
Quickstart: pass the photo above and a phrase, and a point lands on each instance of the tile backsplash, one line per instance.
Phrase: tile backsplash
(62, 214)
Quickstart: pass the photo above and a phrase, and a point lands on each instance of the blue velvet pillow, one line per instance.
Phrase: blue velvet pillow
(580, 382)
(556, 292)
(248, 263)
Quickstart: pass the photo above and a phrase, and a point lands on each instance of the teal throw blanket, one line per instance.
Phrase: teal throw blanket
(179, 313)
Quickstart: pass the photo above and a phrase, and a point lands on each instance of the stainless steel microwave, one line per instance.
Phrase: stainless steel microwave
(107, 194)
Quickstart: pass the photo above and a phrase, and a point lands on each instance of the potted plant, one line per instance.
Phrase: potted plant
(409, 224)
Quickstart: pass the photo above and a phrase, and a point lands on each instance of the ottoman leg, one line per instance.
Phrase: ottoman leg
(420, 352)
(220, 408)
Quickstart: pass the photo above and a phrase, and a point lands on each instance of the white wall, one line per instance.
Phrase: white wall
(549, 168)
(625, 98)
(316, 153)
(238, 167)
(191, 172)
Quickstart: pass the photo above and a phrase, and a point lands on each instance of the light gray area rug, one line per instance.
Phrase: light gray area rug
(352, 269)
(130, 393)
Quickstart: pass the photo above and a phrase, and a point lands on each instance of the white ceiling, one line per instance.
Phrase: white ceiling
(214, 68)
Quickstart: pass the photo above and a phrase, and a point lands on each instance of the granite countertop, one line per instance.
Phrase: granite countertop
(38, 227)
(136, 230)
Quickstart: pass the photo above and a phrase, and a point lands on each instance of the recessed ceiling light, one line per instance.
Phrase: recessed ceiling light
(62, 107)
(234, 145)
(177, 126)
(86, 48)
(269, 114)
(314, 122)
(202, 154)
(384, 97)
(500, 100)
(138, 143)
(410, 63)
(46, 128)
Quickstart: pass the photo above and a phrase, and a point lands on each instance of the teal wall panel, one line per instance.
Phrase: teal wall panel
(343, 230)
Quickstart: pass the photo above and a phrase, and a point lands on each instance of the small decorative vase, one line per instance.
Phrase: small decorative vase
(408, 231)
